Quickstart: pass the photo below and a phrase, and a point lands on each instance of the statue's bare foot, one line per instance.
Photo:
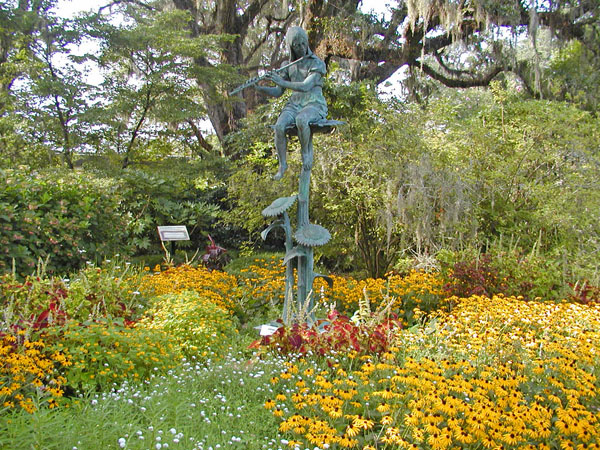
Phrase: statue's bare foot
(279, 175)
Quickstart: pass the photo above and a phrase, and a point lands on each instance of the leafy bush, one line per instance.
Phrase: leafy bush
(339, 334)
(106, 352)
(108, 290)
(497, 272)
(65, 218)
(194, 320)
(152, 199)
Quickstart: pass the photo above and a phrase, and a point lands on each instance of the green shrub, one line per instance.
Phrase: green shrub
(108, 290)
(64, 218)
(506, 272)
(153, 199)
(105, 352)
(195, 321)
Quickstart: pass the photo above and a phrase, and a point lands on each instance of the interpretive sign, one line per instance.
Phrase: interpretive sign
(268, 329)
(173, 233)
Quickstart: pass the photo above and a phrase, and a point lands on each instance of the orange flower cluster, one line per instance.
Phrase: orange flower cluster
(264, 280)
(416, 288)
(26, 369)
(217, 286)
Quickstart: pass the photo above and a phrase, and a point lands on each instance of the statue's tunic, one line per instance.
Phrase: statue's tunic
(313, 98)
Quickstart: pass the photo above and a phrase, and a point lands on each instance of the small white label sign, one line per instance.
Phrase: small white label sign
(267, 330)
(173, 233)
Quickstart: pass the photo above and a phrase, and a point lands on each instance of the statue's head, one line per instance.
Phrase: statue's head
(297, 41)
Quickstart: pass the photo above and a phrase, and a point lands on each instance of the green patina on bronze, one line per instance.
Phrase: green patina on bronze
(304, 116)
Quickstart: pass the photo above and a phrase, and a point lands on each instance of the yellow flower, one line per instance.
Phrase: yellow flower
(352, 431)
(386, 420)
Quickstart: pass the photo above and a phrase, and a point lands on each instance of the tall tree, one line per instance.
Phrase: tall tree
(258, 27)
(55, 94)
(19, 22)
(148, 86)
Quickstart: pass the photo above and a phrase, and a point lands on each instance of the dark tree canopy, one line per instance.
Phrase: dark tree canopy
(427, 36)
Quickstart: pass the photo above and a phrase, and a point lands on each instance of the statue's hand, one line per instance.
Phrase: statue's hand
(272, 76)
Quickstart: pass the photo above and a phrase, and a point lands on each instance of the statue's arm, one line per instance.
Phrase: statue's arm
(273, 91)
(301, 86)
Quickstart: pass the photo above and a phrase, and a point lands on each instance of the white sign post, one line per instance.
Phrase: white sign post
(172, 233)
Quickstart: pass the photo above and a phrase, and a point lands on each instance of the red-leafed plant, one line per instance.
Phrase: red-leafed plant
(585, 293)
(33, 304)
(338, 334)
(215, 257)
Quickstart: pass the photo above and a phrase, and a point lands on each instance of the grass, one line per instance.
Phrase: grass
(201, 405)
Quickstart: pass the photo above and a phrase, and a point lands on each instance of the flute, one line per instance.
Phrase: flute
(255, 80)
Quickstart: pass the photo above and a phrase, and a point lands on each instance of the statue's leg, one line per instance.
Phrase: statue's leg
(285, 119)
(303, 120)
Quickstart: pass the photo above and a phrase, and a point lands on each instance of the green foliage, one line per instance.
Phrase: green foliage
(65, 218)
(151, 199)
(109, 290)
(105, 352)
(149, 71)
(195, 321)
(573, 74)
(474, 166)
(503, 272)
(530, 168)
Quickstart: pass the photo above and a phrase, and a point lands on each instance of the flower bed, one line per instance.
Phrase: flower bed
(493, 373)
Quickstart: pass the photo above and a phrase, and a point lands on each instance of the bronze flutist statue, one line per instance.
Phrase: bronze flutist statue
(305, 114)
(303, 75)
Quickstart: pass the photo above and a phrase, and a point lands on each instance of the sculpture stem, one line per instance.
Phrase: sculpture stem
(305, 263)
(289, 270)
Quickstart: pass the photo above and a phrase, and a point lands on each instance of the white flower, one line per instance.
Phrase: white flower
(122, 442)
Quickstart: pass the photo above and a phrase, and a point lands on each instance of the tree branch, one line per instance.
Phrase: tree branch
(450, 70)
(203, 143)
(133, 2)
(250, 14)
(474, 81)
